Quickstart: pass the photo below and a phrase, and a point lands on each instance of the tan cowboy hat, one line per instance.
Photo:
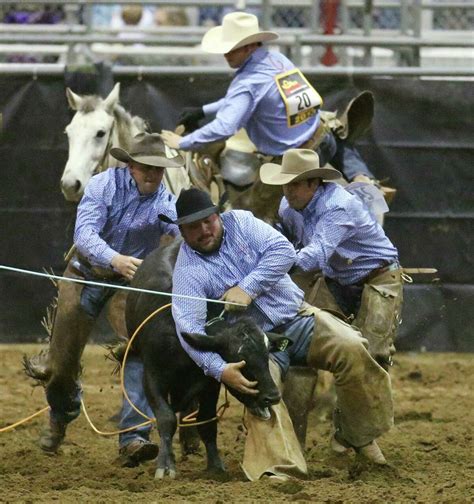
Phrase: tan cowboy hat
(149, 149)
(297, 164)
(238, 29)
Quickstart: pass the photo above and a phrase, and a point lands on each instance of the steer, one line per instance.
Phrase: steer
(171, 378)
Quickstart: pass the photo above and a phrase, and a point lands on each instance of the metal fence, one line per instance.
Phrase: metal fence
(350, 33)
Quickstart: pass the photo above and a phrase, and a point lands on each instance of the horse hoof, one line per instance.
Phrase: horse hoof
(159, 473)
(172, 474)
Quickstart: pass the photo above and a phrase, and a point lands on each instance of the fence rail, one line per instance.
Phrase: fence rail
(55, 69)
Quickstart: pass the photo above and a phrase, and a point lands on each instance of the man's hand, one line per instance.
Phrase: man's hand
(363, 178)
(236, 295)
(233, 378)
(126, 265)
(171, 139)
(190, 117)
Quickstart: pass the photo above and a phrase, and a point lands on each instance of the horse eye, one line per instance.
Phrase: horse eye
(100, 134)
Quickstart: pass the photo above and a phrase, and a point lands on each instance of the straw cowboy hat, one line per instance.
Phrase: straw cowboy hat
(238, 29)
(149, 149)
(297, 164)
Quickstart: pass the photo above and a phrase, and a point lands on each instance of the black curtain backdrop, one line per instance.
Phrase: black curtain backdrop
(421, 142)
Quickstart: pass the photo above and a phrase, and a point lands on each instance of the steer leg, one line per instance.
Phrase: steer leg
(207, 409)
(166, 424)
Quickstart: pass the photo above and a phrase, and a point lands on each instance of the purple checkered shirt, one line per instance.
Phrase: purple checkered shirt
(113, 217)
(336, 234)
(253, 256)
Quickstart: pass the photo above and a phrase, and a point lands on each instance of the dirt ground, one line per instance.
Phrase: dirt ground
(430, 449)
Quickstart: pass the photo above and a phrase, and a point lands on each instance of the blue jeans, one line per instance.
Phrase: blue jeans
(343, 156)
(299, 331)
(133, 381)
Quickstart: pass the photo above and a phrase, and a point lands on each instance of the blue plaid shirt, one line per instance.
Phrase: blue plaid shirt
(253, 102)
(336, 234)
(113, 217)
(253, 256)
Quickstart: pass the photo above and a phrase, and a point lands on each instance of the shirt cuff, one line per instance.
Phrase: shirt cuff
(250, 286)
(216, 367)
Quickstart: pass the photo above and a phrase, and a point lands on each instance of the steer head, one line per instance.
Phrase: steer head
(243, 340)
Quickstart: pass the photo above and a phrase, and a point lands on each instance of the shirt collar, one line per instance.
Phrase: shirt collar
(255, 57)
(311, 207)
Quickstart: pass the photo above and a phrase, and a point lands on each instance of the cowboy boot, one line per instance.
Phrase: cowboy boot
(52, 437)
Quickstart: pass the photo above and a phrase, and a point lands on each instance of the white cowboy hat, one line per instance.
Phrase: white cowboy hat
(297, 164)
(238, 29)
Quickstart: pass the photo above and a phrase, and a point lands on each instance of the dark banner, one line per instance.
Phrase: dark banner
(420, 143)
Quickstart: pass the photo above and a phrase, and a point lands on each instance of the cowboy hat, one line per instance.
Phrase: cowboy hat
(297, 164)
(238, 29)
(149, 149)
(192, 205)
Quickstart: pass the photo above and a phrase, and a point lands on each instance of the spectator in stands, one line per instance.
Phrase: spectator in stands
(270, 98)
(167, 16)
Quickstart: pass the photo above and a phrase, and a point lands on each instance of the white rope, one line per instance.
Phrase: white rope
(113, 286)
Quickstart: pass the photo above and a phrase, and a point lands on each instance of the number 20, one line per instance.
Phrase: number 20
(303, 98)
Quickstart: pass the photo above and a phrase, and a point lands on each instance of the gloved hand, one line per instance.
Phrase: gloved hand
(190, 117)
(236, 295)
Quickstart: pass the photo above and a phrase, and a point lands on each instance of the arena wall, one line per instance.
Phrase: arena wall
(421, 142)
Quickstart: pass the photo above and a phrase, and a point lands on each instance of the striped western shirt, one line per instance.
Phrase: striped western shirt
(253, 102)
(336, 234)
(253, 256)
(113, 217)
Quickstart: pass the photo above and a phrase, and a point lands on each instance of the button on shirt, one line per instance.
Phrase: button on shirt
(335, 233)
(253, 256)
(113, 217)
(253, 102)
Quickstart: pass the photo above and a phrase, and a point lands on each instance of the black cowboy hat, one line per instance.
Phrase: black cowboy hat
(192, 205)
(149, 149)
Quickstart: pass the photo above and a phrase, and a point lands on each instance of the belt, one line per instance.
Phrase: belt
(379, 271)
(81, 264)
(315, 139)
(312, 143)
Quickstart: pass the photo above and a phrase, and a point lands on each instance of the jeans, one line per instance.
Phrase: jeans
(133, 381)
(299, 331)
(343, 156)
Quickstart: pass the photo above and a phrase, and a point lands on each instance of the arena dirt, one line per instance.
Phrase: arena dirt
(430, 449)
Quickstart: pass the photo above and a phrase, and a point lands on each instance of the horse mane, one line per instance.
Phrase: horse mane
(123, 125)
(89, 103)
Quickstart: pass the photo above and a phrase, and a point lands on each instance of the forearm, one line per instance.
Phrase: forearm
(96, 250)
(211, 363)
(212, 108)
(230, 118)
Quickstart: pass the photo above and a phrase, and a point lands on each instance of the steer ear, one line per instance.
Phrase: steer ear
(278, 341)
(201, 341)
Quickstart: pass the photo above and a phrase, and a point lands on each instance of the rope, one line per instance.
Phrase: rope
(191, 418)
(187, 421)
(113, 286)
(110, 433)
(27, 419)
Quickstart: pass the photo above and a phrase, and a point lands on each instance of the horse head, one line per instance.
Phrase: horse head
(90, 136)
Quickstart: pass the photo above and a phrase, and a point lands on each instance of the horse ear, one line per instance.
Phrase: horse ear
(202, 341)
(73, 99)
(112, 99)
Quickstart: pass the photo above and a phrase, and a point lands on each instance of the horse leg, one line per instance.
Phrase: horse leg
(116, 313)
(207, 409)
(165, 420)
(71, 330)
